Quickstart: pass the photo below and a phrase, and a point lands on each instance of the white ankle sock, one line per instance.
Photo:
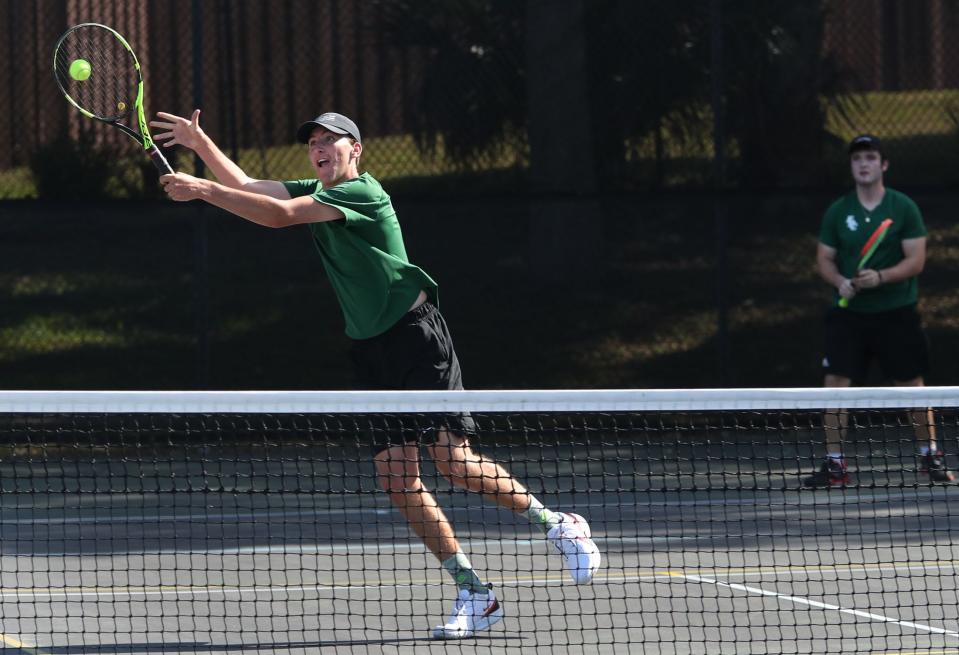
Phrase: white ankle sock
(545, 519)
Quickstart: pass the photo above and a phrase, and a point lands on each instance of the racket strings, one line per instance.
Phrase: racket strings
(111, 90)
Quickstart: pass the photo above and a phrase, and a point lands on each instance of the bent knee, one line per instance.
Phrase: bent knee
(400, 484)
(455, 471)
(398, 470)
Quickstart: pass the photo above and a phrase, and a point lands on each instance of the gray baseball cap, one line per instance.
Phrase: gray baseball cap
(337, 123)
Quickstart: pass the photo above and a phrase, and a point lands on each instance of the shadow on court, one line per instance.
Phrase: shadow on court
(272, 646)
(709, 543)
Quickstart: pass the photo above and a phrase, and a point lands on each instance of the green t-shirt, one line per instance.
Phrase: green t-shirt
(364, 255)
(846, 226)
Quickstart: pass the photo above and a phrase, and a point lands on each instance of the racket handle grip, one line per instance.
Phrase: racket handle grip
(160, 161)
(844, 302)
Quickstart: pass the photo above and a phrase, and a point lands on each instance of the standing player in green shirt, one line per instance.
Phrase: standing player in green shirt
(399, 339)
(881, 321)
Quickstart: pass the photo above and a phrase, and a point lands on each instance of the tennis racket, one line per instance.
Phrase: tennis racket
(106, 83)
(868, 249)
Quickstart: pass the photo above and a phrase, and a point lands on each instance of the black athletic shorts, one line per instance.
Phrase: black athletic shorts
(415, 354)
(895, 339)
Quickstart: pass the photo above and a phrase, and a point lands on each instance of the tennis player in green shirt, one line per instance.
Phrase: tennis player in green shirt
(879, 320)
(399, 339)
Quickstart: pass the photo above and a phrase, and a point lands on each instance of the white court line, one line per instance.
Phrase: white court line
(823, 569)
(813, 603)
(189, 516)
(374, 546)
(371, 547)
(847, 497)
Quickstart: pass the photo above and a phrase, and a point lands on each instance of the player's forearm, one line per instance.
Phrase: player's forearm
(226, 171)
(829, 272)
(254, 207)
(907, 268)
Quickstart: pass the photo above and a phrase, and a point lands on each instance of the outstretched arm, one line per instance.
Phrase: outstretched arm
(187, 133)
(255, 207)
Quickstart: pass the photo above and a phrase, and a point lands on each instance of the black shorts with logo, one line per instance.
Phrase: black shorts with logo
(895, 339)
(415, 354)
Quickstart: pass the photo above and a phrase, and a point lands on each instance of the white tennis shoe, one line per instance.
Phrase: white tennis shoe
(571, 539)
(472, 613)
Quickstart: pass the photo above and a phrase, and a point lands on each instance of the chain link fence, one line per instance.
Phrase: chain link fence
(442, 88)
(585, 127)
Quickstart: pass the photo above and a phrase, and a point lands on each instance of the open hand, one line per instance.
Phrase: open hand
(180, 131)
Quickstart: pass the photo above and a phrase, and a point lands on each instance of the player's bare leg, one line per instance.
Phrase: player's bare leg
(466, 468)
(835, 423)
(476, 608)
(569, 534)
(398, 470)
(924, 425)
(922, 420)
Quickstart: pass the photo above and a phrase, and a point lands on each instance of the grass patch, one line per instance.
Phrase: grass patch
(918, 127)
(17, 183)
(391, 158)
(107, 297)
(898, 115)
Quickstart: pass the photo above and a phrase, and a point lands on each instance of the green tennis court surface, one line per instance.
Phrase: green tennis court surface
(265, 533)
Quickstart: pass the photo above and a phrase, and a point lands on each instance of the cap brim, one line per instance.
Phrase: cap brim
(306, 129)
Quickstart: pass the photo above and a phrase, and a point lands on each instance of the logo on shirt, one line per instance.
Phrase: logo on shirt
(851, 223)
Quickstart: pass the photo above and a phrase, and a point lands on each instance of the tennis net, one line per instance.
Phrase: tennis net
(212, 522)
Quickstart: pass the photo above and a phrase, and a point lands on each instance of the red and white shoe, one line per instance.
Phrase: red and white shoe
(571, 539)
(934, 465)
(472, 613)
(832, 473)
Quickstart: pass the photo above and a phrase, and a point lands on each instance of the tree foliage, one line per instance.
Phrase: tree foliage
(650, 76)
(778, 87)
(472, 96)
(73, 169)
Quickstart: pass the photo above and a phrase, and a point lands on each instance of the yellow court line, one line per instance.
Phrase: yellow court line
(684, 574)
(10, 642)
(319, 586)
(329, 585)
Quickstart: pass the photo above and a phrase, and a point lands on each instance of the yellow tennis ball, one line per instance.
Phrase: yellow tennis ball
(80, 69)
